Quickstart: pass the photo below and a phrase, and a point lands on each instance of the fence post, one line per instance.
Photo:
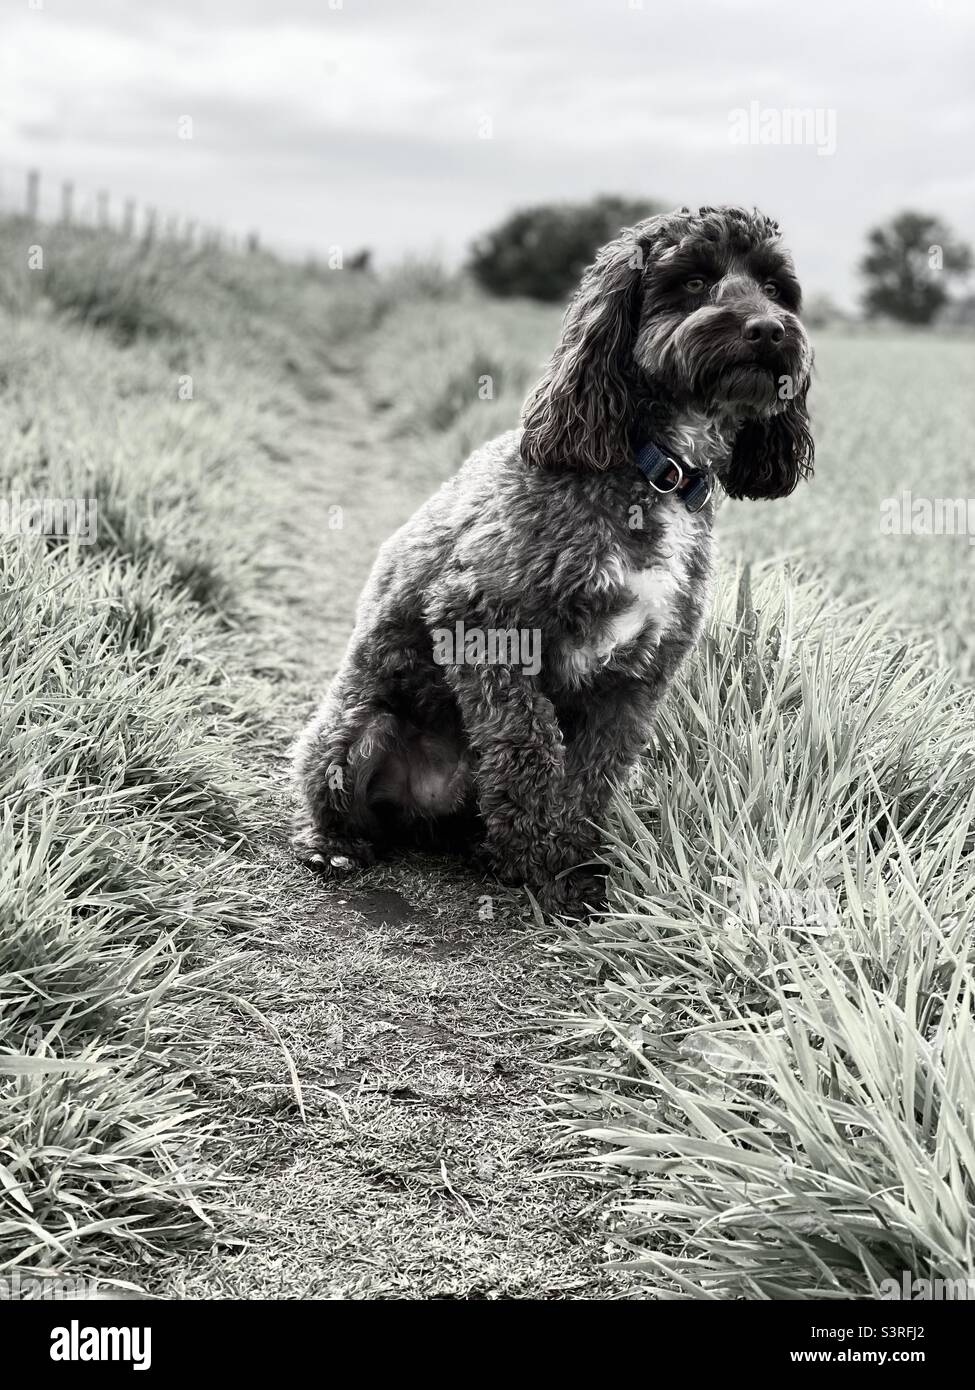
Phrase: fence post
(210, 237)
(33, 194)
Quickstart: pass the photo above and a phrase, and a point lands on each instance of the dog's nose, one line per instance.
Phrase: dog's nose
(763, 330)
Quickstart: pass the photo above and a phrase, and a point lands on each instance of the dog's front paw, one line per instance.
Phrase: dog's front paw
(580, 892)
(332, 856)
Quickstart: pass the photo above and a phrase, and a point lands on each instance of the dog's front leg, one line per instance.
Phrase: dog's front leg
(609, 730)
(519, 754)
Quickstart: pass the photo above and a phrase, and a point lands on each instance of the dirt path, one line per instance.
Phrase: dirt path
(418, 1169)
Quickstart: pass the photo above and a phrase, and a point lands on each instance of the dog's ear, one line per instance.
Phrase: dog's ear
(770, 456)
(578, 414)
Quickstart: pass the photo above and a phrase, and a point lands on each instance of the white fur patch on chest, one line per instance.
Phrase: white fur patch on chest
(652, 610)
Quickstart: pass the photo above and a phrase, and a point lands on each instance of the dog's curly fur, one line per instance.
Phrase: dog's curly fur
(685, 331)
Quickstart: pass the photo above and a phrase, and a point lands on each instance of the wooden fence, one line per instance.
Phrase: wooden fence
(100, 211)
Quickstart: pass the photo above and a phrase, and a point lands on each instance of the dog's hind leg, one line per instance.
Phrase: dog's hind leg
(335, 762)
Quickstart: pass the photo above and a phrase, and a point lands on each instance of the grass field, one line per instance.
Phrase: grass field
(216, 1078)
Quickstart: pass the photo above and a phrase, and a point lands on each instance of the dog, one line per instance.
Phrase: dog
(517, 634)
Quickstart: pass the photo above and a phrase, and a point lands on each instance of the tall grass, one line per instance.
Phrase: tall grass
(258, 309)
(118, 799)
(892, 415)
(454, 371)
(775, 1050)
(128, 721)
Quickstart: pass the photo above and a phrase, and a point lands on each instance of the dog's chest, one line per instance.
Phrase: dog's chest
(660, 597)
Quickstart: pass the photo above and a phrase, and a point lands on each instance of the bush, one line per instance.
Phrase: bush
(540, 252)
(909, 264)
(821, 311)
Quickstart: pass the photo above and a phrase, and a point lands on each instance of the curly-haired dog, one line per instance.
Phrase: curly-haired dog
(516, 635)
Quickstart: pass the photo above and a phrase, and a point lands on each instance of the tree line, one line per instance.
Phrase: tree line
(910, 266)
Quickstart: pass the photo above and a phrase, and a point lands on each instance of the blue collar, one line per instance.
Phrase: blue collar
(665, 474)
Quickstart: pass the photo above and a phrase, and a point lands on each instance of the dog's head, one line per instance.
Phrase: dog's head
(696, 310)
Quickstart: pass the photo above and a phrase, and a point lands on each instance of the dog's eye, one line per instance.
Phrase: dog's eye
(771, 290)
(695, 284)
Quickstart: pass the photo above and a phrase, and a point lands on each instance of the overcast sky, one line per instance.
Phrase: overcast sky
(411, 125)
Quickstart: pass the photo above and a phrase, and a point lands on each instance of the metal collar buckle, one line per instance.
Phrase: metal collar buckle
(678, 484)
(692, 485)
(701, 487)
